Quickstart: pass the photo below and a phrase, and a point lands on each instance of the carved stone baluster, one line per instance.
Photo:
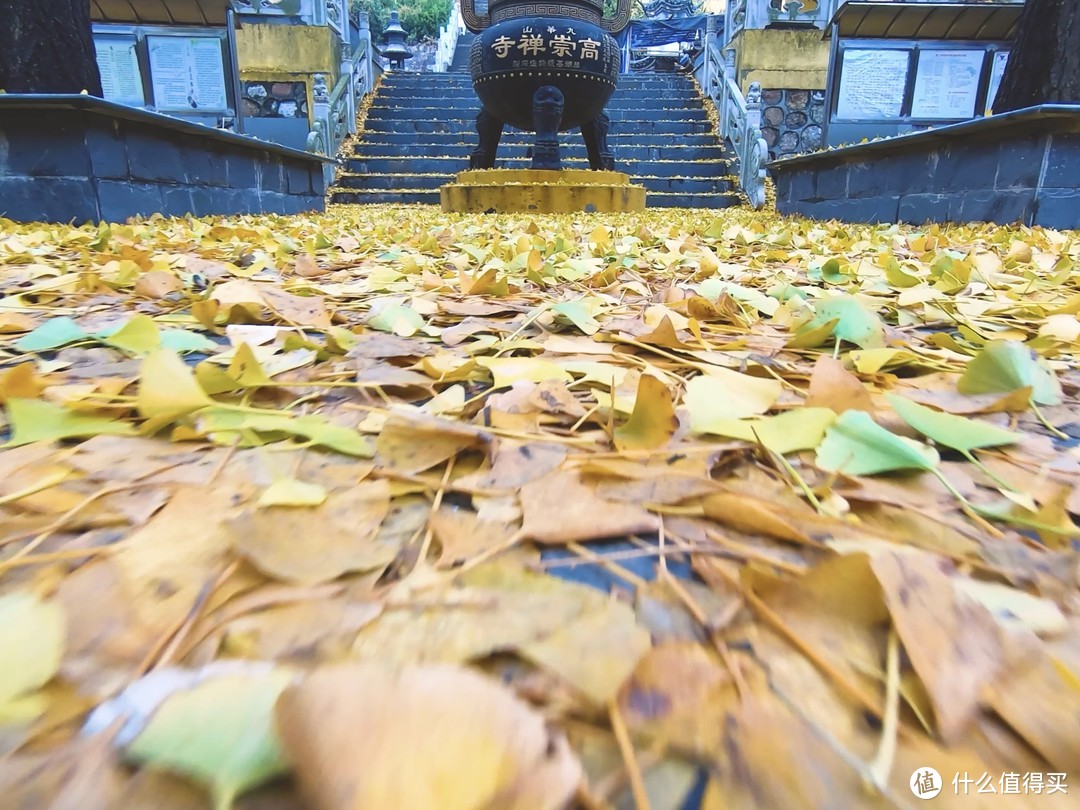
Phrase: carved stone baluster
(755, 149)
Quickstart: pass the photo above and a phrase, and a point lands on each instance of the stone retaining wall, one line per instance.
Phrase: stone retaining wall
(1021, 167)
(82, 159)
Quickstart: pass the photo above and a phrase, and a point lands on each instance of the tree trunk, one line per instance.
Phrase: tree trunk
(46, 46)
(1044, 66)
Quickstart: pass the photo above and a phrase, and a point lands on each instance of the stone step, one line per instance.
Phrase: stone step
(451, 165)
(463, 84)
(615, 113)
(469, 101)
(373, 151)
(431, 197)
(400, 77)
(724, 199)
(515, 137)
(440, 95)
(403, 196)
(465, 88)
(417, 182)
(421, 129)
(465, 127)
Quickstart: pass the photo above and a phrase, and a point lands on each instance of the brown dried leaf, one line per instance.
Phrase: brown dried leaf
(363, 736)
(833, 386)
(312, 545)
(560, 508)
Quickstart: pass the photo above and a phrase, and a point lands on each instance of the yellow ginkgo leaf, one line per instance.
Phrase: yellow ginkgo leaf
(167, 388)
(723, 394)
(653, 421)
(291, 492)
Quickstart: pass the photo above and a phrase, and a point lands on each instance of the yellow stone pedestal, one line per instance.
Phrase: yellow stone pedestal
(499, 191)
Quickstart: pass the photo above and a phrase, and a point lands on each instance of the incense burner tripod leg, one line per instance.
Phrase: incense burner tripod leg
(595, 133)
(490, 130)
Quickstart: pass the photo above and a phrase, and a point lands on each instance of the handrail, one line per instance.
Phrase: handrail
(735, 19)
(335, 110)
(740, 118)
(448, 38)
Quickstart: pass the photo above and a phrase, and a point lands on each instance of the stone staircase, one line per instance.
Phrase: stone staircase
(460, 62)
(420, 131)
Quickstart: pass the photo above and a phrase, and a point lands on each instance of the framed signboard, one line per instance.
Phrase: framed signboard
(872, 84)
(121, 76)
(187, 73)
(947, 83)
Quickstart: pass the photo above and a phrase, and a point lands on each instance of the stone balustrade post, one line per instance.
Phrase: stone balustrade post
(320, 105)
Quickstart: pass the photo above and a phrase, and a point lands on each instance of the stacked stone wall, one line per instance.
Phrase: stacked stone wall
(791, 121)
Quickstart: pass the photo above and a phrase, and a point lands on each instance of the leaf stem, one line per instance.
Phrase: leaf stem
(988, 472)
(1046, 424)
(966, 505)
(882, 765)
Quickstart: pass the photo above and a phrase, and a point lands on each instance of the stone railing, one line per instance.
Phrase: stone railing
(304, 10)
(448, 39)
(309, 12)
(337, 17)
(735, 18)
(756, 14)
(335, 110)
(740, 118)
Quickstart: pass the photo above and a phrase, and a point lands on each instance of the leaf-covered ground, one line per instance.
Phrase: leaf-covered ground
(318, 507)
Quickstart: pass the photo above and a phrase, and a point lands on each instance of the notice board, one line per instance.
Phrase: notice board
(947, 83)
(872, 83)
(187, 73)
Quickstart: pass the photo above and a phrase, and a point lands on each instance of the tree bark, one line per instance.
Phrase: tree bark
(1044, 66)
(46, 46)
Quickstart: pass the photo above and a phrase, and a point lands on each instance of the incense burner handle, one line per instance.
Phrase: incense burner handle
(612, 25)
(478, 22)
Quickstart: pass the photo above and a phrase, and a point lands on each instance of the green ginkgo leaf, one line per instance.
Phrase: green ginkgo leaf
(854, 322)
(52, 334)
(183, 341)
(832, 272)
(235, 424)
(957, 432)
(398, 319)
(35, 420)
(578, 314)
(1006, 365)
(857, 445)
(220, 732)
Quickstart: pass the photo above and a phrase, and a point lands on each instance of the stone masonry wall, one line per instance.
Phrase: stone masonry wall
(59, 165)
(1020, 170)
(791, 121)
